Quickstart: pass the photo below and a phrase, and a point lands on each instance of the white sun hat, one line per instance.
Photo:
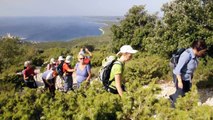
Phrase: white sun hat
(60, 58)
(68, 59)
(127, 49)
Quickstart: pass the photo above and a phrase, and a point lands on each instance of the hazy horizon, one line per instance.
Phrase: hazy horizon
(75, 8)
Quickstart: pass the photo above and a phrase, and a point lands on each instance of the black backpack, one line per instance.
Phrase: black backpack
(104, 73)
(59, 69)
(175, 57)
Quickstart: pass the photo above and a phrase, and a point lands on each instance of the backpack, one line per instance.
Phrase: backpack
(59, 69)
(104, 73)
(175, 57)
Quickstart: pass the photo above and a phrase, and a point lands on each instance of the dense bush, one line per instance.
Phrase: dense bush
(95, 103)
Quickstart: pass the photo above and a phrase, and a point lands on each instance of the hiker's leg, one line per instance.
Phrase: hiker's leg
(35, 84)
(69, 82)
(45, 84)
(52, 88)
(66, 84)
(26, 83)
(178, 92)
(175, 80)
(186, 87)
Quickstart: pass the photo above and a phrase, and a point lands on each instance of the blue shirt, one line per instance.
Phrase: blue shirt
(187, 64)
(82, 75)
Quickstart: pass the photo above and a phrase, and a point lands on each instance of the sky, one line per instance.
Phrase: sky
(75, 7)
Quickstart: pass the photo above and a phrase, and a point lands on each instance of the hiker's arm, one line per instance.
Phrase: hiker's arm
(90, 54)
(89, 76)
(118, 84)
(25, 77)
(180, 83)
(184, 58)
(70, 70)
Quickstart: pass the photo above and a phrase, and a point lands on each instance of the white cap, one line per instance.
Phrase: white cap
(68, 59)
(127, 49)
(60, 58)
(52, 61)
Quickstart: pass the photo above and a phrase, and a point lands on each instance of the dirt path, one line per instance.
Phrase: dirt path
(206, 95)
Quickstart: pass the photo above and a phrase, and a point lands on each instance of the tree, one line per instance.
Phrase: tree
(136, 26)
(185, 21)
(9, 49)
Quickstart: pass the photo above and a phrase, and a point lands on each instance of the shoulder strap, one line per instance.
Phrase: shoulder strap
(119, 63)
(190, 57)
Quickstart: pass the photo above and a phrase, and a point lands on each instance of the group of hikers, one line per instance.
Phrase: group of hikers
(182, 72)
(61, 72)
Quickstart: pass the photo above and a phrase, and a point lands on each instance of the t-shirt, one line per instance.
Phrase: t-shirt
(66, 67)
(48, 75)
(117, 68)
(29, 72)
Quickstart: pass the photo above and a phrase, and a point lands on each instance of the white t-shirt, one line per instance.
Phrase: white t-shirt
(48, 75)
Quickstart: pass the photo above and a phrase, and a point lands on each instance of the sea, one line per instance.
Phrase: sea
(44, 29)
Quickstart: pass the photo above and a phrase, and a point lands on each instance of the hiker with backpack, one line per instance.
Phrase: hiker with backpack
(52, 64)
(28, 75)
(48, 78)
(59, 68)
(68, 70)
(82, 71)
(115, 82)
(187, 63)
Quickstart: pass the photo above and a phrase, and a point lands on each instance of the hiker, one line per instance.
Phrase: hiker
(28, 75)
(185, 68)
(52, 64)
(48, 78)
(82, 71)
(83, 52)
(68, 70)
(25, 66)
(116, 73)
(59, 68)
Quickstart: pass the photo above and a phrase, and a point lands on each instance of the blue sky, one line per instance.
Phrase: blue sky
(75, 7)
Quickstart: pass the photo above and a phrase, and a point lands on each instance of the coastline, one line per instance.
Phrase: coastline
(101, 29)
(68, 28)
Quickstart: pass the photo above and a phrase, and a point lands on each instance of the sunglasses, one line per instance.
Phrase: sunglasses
(81, 58)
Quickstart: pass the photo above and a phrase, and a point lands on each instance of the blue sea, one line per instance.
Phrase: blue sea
(43, 29)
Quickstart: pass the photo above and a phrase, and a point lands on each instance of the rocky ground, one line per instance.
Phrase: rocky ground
(206, 95)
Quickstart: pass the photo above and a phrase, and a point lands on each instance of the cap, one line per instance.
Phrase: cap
(127, 49)
(68, 59)
(60, 58)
